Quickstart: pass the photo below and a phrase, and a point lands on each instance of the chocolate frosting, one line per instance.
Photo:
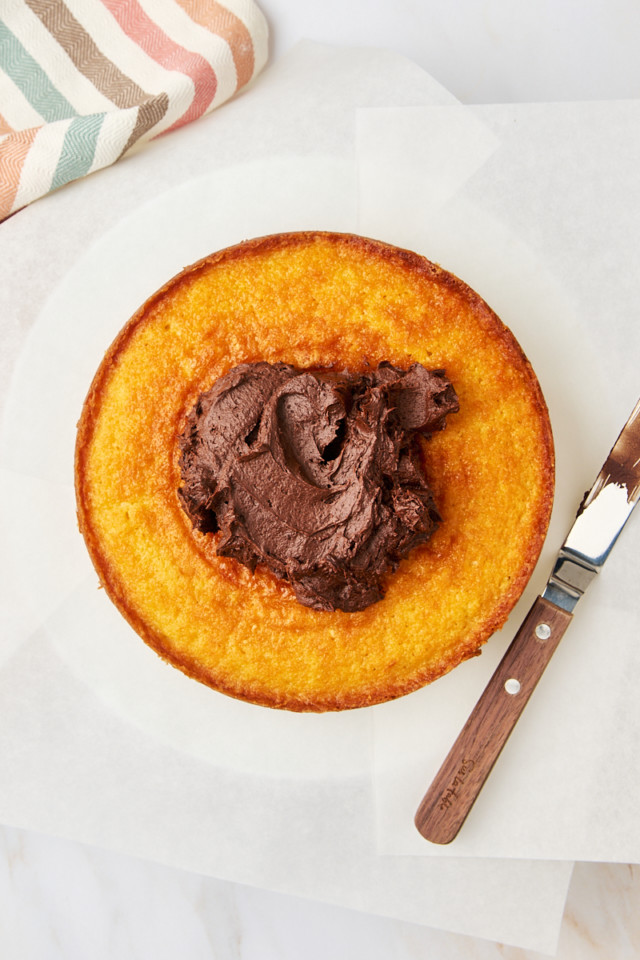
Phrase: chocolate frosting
(316, 474)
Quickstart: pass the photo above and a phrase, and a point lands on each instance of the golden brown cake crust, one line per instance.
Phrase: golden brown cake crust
(314, 299)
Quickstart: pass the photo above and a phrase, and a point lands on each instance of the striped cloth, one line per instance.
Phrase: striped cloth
(82, 81)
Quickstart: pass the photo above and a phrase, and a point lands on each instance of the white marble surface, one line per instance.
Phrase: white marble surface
(485, 51)
(60, 899)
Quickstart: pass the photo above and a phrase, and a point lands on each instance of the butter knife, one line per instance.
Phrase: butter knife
(601, 516)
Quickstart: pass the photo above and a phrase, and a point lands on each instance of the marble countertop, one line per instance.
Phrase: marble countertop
(62, 899)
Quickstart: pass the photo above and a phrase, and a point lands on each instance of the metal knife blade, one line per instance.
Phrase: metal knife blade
(604, 510)
(602, 514)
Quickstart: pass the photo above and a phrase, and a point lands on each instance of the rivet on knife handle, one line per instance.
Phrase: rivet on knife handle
(469, 763)
(602, 514)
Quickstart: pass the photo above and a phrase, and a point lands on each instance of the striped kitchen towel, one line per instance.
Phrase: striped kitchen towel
(82, 81)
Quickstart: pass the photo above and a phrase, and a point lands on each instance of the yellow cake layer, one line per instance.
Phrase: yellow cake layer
(314, 300)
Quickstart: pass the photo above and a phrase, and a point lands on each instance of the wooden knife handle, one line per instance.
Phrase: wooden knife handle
(462, 775)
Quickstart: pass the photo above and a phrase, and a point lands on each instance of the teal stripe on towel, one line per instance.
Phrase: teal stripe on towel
(30, 78)
(78, 149)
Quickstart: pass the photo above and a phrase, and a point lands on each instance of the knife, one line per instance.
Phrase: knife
(604, 510)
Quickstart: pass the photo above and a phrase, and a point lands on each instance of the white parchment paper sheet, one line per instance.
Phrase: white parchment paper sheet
(100, 741)
(546, 230)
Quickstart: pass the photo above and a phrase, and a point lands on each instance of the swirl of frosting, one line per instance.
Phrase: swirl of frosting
(316, 474)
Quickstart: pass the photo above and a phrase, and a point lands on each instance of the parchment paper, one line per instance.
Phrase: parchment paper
(100, 741)
(546, 231)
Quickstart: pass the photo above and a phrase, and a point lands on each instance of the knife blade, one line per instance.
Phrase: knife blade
(604, 510)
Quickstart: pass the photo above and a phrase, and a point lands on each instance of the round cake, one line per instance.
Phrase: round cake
(322, 310)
